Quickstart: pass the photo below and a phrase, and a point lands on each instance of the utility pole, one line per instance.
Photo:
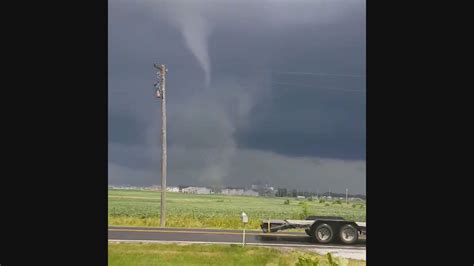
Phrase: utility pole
(346, 195)
(161, 94)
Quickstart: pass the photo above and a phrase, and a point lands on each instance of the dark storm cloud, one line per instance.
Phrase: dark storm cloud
(126, 129)
(247, 122)
(301, 121)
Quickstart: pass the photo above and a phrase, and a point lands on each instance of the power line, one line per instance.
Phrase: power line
(318, 74)
(319, 88)
(259, 69)
(218, 65)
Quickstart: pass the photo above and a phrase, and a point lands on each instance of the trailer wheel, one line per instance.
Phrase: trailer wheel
(323, 233)
(348, 234)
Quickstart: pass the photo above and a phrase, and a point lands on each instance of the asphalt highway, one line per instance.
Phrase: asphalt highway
(215, 236)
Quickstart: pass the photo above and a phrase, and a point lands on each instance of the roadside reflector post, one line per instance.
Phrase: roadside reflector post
(245, 220)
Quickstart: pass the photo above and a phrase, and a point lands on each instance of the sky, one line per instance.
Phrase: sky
(270, 91)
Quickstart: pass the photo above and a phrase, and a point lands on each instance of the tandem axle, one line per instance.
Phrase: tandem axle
(320, 228)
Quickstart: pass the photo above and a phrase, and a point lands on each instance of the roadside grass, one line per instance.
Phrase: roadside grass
(184, 221)
(142, 208)
(174, 254)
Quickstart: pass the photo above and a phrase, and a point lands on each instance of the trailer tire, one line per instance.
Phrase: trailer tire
(348, 234)
(323, 233)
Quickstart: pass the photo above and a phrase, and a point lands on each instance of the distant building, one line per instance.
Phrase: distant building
(233, 191)
(155, 188)
(250, 192)
(300, 197)
(203, 190)
(128, 187)
(269, 191)
(196, 190)
(264, 190)
(172, 189)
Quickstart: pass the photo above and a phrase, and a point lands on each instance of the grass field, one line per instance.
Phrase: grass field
(172, 254)
(142, 208)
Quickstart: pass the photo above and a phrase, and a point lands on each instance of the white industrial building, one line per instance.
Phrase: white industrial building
(172, 189)
(239, 192)
(233, 191)
(250, 192)
(196, 190)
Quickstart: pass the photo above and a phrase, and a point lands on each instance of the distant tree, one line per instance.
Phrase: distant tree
(281, 192)
(216, 188)
(294, 193)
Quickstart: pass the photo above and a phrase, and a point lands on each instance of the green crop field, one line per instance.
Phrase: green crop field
(142, 208)
(172, 254)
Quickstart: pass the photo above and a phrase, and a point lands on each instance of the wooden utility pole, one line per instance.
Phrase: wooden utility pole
(161, 93)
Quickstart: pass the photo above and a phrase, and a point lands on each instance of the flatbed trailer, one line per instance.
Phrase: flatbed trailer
(322, 229)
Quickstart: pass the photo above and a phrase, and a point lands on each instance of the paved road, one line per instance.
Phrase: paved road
(182, 235)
